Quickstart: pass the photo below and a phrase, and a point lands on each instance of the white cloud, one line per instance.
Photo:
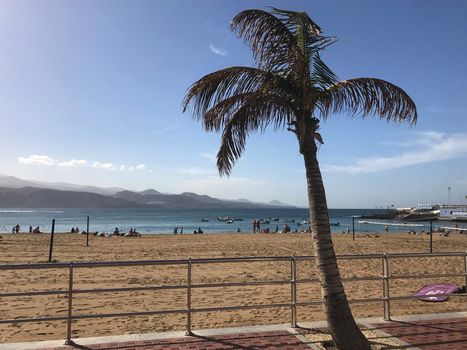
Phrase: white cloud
(74, 163)
(36, 159)
(106, 166)
(46, 160)
(432, 146)
(209, 156)
(216, 50)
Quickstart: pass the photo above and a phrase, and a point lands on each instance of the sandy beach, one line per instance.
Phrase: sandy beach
(29, 248)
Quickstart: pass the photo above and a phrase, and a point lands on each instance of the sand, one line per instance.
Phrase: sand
(29, 248)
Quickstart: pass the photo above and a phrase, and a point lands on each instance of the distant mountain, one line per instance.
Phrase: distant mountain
(32, 197)
(186, 200)
(150, 192)
(243, 200)
(277, 203)
(203, 198)
(14, 182)
(15, 192)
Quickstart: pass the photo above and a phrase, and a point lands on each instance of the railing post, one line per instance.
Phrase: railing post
(70, 306)
(293, 290)
(188, 300)
(465, 266)
(386, 296)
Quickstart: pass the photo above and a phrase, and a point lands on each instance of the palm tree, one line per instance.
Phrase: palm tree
(291, 87)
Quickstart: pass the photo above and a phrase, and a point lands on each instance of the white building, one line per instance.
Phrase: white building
(453, 212)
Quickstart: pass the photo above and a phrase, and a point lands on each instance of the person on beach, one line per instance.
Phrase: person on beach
(116, 232)
(258, 226)
(17, 227)
(181, 230)
(254, 226)
(30, 229)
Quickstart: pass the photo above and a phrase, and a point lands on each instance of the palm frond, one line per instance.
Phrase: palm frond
(307, 35)
(367, 96)
(274, 46)
(294, 20)
(321, 75)
(257, 112)
(216, 87)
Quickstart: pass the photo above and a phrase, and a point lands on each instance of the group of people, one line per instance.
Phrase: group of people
(76, 230)
(257, 228)
(17, 228)
(117, 232)
(179, 230)
(176, 230)
(131, 233)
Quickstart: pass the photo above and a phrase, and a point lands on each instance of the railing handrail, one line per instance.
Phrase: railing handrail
(84, 264)
(188, 285)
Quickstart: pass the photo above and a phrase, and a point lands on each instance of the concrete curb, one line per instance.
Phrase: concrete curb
(368, 322)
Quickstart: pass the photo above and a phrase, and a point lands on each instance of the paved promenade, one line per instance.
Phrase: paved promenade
(424, 332)
(434, 334)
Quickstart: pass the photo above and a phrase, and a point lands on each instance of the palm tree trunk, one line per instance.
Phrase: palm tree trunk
(343, 328)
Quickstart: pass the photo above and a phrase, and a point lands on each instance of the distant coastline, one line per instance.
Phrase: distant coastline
(165, 220)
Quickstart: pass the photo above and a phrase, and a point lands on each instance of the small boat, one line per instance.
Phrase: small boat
(289, 220)
(204, 220)
(334, 223)
(230, 221)
(223, 218)
(275, 219)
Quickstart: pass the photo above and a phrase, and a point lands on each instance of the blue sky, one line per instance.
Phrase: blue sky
(91, 92)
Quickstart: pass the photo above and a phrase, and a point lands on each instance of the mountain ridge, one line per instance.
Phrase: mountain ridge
(15, 192)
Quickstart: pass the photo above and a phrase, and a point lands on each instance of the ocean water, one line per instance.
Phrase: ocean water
(149, 220)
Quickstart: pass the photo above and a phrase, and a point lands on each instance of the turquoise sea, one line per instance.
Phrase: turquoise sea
(149, 220)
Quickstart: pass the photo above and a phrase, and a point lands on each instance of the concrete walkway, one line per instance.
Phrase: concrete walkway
(429, 333)
(425, 332)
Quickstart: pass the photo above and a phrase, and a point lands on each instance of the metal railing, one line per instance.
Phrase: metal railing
(189, 286)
